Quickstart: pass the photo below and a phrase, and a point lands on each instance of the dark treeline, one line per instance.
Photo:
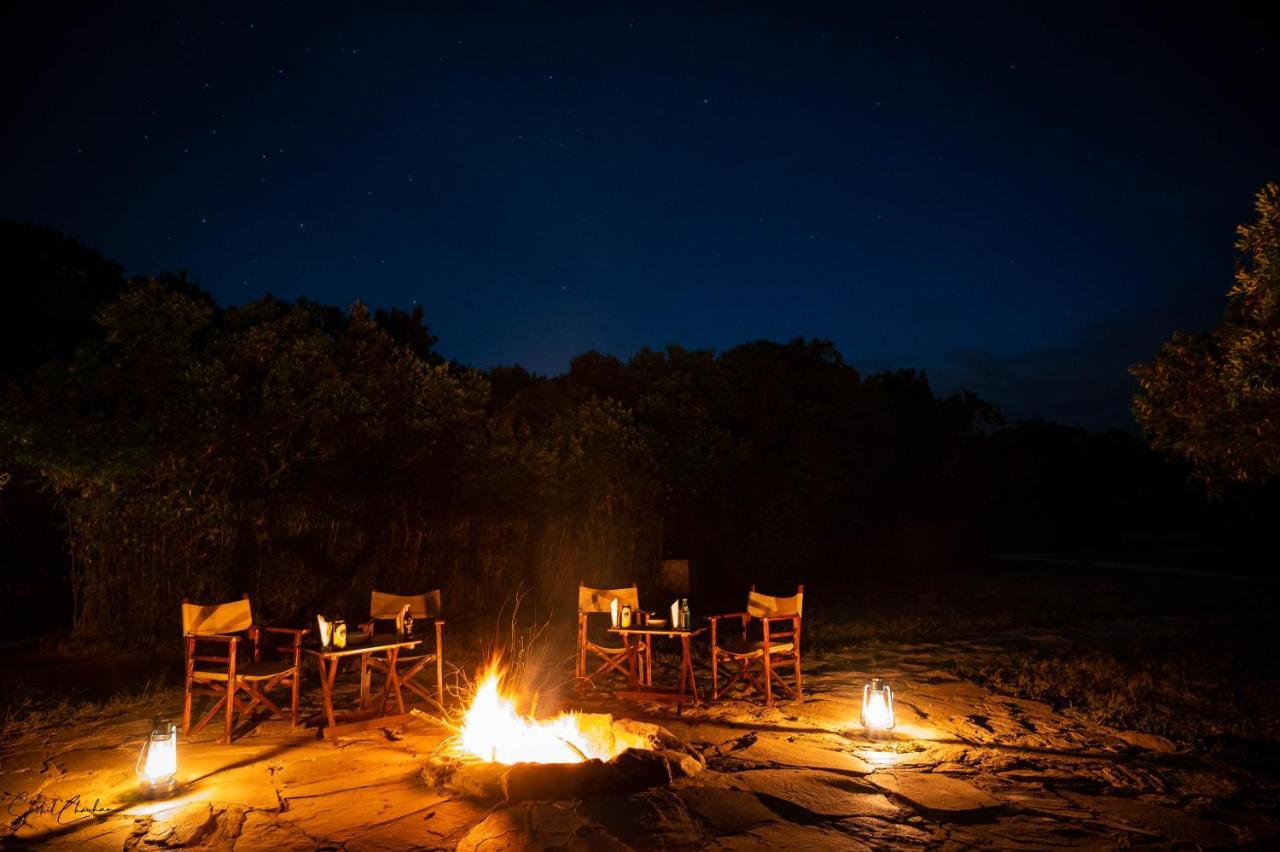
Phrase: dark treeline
(158, 446)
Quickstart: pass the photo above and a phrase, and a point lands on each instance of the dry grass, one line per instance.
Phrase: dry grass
(61, 681)
(1012, 596)
(1211, 686)
(27, 712)
(1183, 656)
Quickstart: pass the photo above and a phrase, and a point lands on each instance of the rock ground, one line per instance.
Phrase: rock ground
(963, 768)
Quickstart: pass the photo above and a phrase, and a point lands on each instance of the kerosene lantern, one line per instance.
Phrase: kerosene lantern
(877, 706)
(158, 762)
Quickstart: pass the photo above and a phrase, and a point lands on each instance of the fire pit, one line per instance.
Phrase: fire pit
(500, 755)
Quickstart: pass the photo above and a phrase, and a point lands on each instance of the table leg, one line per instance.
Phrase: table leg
(693, 682)
(629, 652)
(328, 671)
(393, 678)
(684, 659)
(687, 664)
(365, 676)
(392, 685)
(386, 687)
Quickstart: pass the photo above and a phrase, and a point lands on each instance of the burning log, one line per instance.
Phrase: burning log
(630, 772)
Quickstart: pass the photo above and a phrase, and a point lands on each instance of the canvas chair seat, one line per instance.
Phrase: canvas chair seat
(262, 670)
(754, 647)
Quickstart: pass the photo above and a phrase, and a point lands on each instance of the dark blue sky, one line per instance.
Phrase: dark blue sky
(1017, 200)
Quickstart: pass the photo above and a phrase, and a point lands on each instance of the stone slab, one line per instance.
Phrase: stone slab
(929, 791)
(796, 751)
(824, 794)
(538, 826)
(787, 837)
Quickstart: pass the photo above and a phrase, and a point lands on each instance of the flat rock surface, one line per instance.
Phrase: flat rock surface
(932, 791)
(822, 794)
(963, 768)
(784, 837)
(798, 751)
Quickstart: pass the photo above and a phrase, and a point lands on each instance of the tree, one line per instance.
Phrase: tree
(55, 288)
(407, 329)
(1214, 399)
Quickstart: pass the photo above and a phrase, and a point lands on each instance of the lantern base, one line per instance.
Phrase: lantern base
(162, 789)
(859, 731)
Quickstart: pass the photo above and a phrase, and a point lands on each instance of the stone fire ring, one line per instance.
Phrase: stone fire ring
(630, 772)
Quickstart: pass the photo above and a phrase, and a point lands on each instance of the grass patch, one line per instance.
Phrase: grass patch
(1017, 596)
(26, 712)
(1210, 686)
(61, 681)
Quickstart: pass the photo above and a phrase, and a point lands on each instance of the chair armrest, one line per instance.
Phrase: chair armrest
(214, 637)
(772, 618)
(295, 637)
(194, 655)
(293, 631)
(728, 615)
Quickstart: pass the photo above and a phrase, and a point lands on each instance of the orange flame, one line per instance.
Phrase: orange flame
(494, 730)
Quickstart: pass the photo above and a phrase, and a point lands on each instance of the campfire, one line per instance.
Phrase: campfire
(502, 754)
(493, 730)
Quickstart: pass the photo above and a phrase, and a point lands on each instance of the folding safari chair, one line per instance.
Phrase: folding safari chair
(410, 662)
(759, 659)
(613, 658)
(221, 672)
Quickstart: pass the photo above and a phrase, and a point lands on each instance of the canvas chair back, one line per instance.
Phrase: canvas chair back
(387, 606)
(597, 600)
(768, 606)
(616, 657)
(198, 620)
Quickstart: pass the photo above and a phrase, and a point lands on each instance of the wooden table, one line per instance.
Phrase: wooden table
(641, 686)
(328, 660)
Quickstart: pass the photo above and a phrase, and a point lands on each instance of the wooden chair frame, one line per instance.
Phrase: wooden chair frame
(422, 607)
(228, 683)
(613, 658)
(767, 676)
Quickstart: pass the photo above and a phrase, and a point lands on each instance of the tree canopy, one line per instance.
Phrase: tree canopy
(1213, 399)
(305, 452)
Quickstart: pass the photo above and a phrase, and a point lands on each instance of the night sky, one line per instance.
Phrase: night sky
(1020, 202)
